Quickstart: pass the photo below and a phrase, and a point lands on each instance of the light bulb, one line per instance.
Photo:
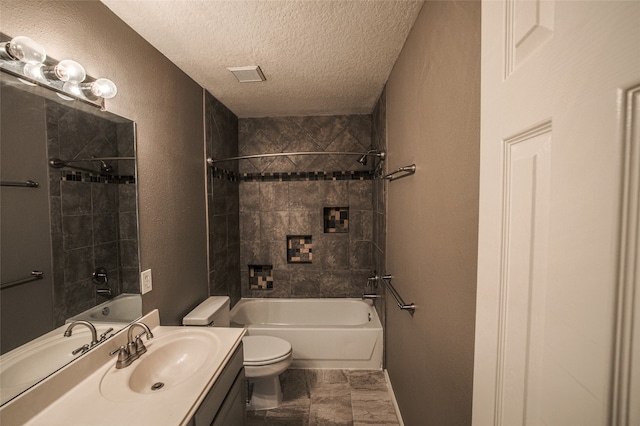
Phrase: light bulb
(66, 70)
(34, 71)
(104, 88)
(73, 88)
(24, 49)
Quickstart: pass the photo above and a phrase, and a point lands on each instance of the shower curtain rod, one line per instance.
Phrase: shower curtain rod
(56, 161)
(380, 154)
(105, 168)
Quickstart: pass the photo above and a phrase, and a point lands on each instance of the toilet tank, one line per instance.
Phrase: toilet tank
(214, 312)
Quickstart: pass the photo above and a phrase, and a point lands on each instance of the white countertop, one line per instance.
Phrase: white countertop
(87, 403)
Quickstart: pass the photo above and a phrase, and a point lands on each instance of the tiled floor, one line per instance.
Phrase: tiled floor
(330, 398)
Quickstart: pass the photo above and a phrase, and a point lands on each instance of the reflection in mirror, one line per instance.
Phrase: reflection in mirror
(69, 234)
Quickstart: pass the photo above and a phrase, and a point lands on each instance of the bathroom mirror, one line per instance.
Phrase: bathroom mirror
(69, 226)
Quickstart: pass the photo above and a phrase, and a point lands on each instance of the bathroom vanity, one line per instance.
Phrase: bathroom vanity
(188, 376)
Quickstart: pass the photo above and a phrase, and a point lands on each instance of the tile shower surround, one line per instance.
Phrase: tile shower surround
(303, 134)
(379, 142)
(221, 137)
(272, 208)
(93, 218)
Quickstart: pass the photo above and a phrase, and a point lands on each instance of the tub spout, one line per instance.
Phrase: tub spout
(371, 296)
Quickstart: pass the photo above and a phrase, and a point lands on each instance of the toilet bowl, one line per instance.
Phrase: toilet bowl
(265, 357)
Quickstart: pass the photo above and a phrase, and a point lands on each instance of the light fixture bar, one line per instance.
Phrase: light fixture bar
(99, 103)
(27, 60)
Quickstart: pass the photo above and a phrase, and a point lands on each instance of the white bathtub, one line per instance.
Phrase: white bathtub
(324, 333)
(122, 308)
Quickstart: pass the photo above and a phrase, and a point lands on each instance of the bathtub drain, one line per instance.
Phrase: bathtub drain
(157, 386)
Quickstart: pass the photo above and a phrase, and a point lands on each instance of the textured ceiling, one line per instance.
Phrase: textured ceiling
(319, 57)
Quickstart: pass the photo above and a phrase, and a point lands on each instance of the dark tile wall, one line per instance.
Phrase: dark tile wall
(304, 134)
(93, 217)
(127, 213)
(223, 201)
(271, 210)
(379, 142)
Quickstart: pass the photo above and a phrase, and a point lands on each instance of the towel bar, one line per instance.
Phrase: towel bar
(35, 275)
(386, 280)
(407, 170)
(27, 184)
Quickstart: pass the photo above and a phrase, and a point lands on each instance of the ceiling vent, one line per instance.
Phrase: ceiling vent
(248, 74)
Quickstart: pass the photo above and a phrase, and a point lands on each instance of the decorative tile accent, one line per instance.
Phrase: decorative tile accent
(290, 176)
(299, 249)
(223, 174)
(261, 277)
(336, 219)
(70, 176)
(305, 176)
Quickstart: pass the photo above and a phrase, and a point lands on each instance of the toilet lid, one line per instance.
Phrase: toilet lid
(264, 348)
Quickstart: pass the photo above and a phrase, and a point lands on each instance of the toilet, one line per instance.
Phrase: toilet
(265, 357)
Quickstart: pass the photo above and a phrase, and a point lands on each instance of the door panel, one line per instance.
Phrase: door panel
(550, 209)
(523, 284)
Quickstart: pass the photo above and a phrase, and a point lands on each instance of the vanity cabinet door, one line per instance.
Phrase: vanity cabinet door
(233, 410)
(222, 399)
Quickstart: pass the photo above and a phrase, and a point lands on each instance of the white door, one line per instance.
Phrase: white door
(559, 247)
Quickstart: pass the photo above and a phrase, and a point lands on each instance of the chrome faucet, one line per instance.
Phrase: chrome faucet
(94, 333)
(135, 346)
(146, 328)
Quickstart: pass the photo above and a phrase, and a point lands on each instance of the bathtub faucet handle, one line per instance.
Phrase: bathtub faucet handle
(372, 282)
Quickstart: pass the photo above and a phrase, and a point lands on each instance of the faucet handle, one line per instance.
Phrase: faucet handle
(123, 356)
(121, 351)
(103, 336)
(82, 349)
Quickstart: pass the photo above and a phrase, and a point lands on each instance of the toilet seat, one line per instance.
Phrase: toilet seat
(263, 350)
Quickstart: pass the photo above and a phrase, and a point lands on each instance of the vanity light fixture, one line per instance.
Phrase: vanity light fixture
(27, 60)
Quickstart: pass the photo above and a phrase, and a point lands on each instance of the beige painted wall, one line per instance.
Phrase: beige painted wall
(167, 107)
(433, 120)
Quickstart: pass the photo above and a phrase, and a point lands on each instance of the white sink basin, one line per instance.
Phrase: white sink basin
(172, 361)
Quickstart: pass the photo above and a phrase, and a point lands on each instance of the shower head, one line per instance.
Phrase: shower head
(105, 167)
(371, 153)
(59, 164)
